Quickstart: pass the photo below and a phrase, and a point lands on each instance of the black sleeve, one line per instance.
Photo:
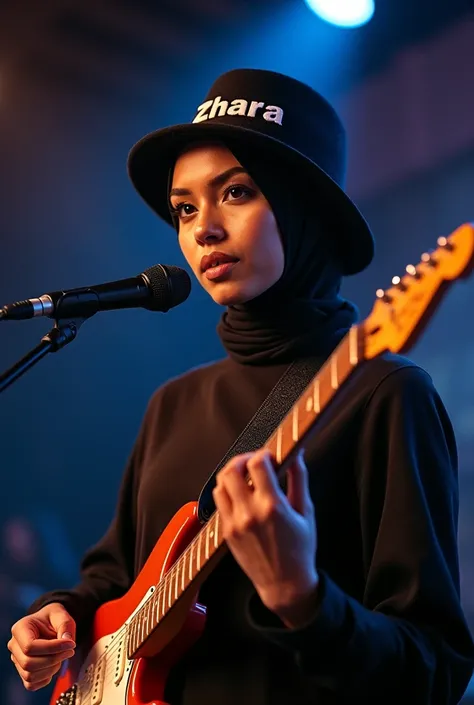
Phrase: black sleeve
(408, 640)
(107, 569)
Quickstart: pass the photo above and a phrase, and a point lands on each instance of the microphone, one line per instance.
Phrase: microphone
(158, 288)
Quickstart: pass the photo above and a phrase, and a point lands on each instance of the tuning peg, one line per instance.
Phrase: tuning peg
(444, 242)
(428, 258)
(383, 296)
(412, 271)
(396, 281)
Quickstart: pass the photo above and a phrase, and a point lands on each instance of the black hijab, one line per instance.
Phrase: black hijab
(302, 314)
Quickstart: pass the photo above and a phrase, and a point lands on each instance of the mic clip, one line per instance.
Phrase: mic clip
(68, 305)
(63, 332)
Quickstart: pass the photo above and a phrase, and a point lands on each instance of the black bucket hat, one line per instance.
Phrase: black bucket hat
(276, 116)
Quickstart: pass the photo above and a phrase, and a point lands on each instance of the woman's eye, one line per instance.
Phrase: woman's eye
(183, 209)
(233, 193)
(237, 192)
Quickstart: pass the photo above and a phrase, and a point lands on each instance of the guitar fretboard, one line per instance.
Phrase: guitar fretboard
(284, 443)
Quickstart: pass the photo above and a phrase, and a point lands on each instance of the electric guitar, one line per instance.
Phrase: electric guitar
(135, 640)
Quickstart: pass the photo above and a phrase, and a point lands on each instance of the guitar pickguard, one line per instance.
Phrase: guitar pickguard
(105, 674)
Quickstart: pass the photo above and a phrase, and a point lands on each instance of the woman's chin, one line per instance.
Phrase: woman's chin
(230, 295)
(230, 300)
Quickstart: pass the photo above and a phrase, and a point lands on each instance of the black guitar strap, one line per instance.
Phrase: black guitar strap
(267, 418)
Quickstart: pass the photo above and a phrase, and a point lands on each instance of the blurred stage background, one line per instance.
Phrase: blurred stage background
(80, 82)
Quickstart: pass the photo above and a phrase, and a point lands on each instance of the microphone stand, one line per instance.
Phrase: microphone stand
(63, 333)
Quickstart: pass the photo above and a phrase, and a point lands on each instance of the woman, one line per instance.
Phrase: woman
(344, 587)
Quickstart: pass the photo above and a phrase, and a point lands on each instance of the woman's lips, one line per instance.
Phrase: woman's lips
(221, 271)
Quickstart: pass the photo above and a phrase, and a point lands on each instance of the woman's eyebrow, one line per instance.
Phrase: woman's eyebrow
(218, 180)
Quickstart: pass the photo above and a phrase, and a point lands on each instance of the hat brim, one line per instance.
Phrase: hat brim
(150, 161)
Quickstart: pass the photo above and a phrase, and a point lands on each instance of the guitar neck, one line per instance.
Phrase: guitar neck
(199, 558)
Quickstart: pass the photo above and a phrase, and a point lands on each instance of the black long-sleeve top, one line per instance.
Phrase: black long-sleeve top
(389, 627)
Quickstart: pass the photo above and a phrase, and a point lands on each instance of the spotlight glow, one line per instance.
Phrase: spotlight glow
(344, 13)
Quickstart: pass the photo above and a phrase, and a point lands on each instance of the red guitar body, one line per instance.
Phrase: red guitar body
(144, 679)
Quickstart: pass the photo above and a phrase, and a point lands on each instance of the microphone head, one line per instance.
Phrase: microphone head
(170, 286)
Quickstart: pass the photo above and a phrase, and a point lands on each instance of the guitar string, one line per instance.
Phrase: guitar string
(160, 587)
(163, 585)
(110, 673)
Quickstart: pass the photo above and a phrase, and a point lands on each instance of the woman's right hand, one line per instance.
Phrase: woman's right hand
(40, 643)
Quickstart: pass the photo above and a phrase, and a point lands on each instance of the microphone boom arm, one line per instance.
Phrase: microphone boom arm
(62, 333)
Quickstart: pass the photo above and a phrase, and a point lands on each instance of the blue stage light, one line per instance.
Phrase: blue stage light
(343, 13)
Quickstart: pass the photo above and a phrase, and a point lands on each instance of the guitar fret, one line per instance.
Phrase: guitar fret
(212, 535)
(216, 535)
(141, 627)
(126, 640)
(295, 423)
(353, 345)
(183, 570)
(158, 603)
(207, 542)
(156, 606)
(133, 633)
(170, 587)
(163, 602)
(334, 380)
(279, 441)
(191, 562)
(163, 598)
(175, 577)
(137, 632)
(144, 624)
(136, 637)
(157, 597)
(146, 616)
(316, 405)
(153, 615)
(152, 624)
(129, 632)
(130, 635)
(199, 551)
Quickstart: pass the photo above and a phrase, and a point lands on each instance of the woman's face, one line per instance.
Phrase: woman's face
(227, 230)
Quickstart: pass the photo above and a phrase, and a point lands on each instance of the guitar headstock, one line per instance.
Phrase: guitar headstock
(401, 312)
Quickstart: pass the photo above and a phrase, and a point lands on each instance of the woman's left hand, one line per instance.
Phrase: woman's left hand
(272, 536)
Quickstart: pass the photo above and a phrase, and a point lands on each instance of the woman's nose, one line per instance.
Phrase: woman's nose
(208, 231)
